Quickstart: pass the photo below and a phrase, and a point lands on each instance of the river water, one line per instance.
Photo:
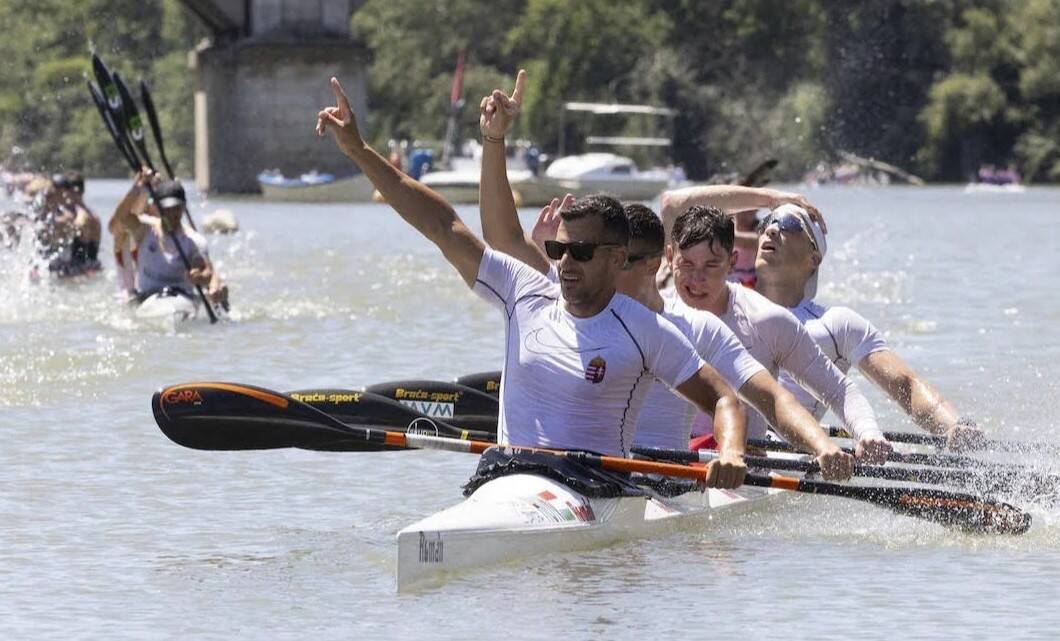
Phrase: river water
(109, 530)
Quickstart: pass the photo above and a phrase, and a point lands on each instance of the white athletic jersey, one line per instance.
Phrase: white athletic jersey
(159, 265)
(666, 417)
(843, 335)
(778, 341)
(576, 383)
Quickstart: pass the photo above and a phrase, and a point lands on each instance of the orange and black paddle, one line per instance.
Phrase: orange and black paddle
(229, 416)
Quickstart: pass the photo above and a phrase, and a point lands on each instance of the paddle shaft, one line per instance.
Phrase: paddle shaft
(156, 129)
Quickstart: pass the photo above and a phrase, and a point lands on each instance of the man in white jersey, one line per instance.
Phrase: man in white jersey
(665, 419)
(158, 262)
(579, 357)
(700, 254)
(791, 249)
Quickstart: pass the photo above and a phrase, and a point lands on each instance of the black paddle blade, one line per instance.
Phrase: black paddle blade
(450, 402)
(485, 382)
(134, 125)
(156, 128)
(229, 416)
(106, 83)
(369, 408)
(963, 511)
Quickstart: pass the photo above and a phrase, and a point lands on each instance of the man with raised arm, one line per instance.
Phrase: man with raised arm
(580, 357)
(665, 419)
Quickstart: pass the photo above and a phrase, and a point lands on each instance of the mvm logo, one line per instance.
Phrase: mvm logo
(435, 410)
(179, 396)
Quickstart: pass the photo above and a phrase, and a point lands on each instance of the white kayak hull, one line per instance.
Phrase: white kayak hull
(524, 516)
(168, 308)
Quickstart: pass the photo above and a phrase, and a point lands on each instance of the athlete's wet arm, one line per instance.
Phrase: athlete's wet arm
(708, 391)
(920, 400)
(812, 370)
(125, 220)
(728, 198)
(786, 414)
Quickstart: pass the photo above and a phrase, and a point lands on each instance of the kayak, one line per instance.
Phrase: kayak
(169, 306)
(522, 516)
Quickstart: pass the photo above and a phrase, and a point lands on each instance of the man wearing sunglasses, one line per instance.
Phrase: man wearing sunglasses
(791, 249)
(579, 357)
(665, 418)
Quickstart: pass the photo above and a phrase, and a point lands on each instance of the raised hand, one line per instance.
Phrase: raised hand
(547, 223)
(341, 121)
(497, 111)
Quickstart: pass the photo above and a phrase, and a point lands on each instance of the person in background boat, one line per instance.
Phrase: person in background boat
(665, 419)
(579, 357)
(791, 249)
(153, 227)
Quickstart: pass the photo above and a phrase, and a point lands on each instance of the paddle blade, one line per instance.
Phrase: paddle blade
(369, 408)
(227, 416)
(953, 509)
(485, 382)
(446, 401)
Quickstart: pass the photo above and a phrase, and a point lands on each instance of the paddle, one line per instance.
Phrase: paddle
(228, 416)
(451, 402)
(759, 176)
(913, 458)
(156, 129)
(366, 407)
(486, 382)
(940, 442)
(122, 112)
(977, 480)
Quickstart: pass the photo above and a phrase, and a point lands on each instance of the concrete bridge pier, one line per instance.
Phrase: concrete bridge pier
(259, 87)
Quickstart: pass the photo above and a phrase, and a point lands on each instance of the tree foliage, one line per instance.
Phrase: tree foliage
(936, 86)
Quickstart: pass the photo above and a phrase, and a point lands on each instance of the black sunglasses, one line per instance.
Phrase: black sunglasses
(580, 251)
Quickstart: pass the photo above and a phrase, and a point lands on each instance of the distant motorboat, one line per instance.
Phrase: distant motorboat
(315, 187)
(602, 172)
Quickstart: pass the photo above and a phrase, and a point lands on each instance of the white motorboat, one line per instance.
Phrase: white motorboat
(524, 515)
(609, 173)
(314, 187)
(170, 307)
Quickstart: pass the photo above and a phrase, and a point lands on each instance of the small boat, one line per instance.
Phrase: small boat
(314, 187)
(169, 307)
(602, 172)
(525, 515)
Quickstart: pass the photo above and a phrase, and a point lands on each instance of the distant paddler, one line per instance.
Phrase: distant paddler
(87, 230)
(154, 227)
(665, 419)
(580, 357)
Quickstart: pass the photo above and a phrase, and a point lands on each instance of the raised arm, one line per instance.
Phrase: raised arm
(421, 207)
(711, 394)
(125, 222)
(500, 219)
(730, 199)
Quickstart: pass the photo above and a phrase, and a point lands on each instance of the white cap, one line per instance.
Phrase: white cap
(816, 234)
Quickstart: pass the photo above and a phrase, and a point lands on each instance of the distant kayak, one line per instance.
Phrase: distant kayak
(314, 187)
(170, 307)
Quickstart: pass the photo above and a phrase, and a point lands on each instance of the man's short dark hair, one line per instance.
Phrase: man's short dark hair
(610, 212)
(646, 227)
(702, 223)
